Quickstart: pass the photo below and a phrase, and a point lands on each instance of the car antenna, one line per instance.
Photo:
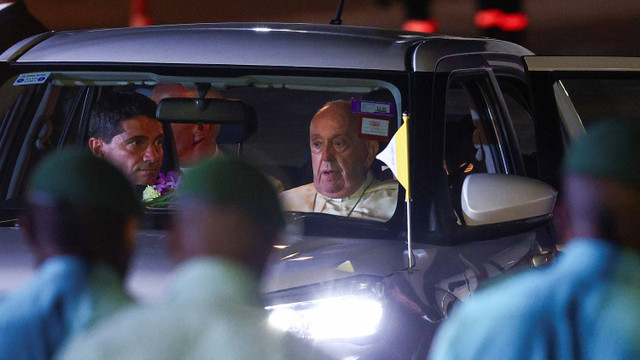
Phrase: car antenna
(338, 20)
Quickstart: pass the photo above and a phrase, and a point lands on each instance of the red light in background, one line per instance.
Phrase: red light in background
(497, 18)
(139, 13)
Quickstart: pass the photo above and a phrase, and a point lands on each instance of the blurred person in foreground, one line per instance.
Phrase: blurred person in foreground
(194, 142)
(587, 304)
(80, 223)
(124, 130)
(228, 219)
(343, 183)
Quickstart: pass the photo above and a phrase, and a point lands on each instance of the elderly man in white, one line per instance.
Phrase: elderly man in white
(343, 183)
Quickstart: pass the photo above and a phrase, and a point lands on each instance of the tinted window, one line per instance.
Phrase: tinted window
(523, 125)
(471, 140)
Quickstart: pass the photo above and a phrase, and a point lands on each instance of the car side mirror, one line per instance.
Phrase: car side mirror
(496, 198)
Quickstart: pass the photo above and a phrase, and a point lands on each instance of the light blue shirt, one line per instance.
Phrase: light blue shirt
(585, 306)
(213, 311)
(65, 297)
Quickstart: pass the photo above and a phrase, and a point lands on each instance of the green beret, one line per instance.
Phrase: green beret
(227, 180)
(610, 150)
(78, 177)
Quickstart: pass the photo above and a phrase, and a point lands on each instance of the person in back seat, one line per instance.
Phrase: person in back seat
(460, 157)
(194, 142)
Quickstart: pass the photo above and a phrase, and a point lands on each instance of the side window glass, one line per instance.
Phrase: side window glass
(471, 143)
(40, 134)
(523, 125)
(14, 106)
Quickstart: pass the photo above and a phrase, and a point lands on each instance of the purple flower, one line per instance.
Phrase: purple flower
(167, 183)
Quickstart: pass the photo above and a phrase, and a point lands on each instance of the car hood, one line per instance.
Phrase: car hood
(310, 260)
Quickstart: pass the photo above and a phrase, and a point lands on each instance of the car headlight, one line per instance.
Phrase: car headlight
(339, 317)
(349, 314)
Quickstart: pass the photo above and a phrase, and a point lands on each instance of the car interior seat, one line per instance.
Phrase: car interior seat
(238, 133)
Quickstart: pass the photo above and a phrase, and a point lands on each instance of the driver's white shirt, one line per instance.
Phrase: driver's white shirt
(374, 200)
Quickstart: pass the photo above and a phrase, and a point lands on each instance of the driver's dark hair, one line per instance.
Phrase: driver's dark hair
(113, 108)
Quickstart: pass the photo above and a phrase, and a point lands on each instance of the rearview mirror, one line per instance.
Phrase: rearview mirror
(210, 111)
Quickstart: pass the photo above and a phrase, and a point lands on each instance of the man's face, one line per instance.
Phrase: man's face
(195, 141)
(340, 159)
(137, 151)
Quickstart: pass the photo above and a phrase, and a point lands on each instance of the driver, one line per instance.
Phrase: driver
(343, 183)
(123, 130)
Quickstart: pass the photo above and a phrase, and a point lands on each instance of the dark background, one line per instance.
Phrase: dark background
(557, 27)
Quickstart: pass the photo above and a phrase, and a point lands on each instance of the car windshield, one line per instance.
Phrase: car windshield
(53, 110)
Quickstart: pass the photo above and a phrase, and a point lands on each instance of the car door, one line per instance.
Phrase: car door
(477, 140)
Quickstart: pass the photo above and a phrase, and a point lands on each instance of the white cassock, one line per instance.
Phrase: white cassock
(374, 200)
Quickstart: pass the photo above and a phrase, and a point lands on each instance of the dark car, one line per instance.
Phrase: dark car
(486, 127)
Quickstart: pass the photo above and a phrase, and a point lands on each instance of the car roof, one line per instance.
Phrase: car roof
(253, 44)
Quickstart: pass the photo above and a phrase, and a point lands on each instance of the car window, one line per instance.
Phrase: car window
(48, 108)
(278, 143)
(18, 103)
(471, 141)
(523, 126)
(597, 99)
